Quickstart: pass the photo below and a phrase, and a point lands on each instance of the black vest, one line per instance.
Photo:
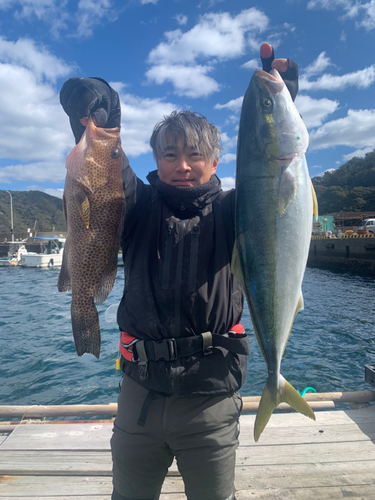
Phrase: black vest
(177, 247)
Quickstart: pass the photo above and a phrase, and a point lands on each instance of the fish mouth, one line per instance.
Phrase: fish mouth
(272, 80)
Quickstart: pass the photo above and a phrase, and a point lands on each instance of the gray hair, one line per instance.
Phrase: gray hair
(193, 128)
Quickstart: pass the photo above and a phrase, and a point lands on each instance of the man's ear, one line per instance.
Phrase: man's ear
(214, 166)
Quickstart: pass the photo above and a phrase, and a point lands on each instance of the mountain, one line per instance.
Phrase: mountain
(350, 188)
(31, 209)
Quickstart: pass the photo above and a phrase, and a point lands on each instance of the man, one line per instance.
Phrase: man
(183, 349)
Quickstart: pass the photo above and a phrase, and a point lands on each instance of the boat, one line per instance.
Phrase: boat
(13, 254)
(50, 254)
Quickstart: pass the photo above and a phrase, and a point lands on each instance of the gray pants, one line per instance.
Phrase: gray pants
(200, 431)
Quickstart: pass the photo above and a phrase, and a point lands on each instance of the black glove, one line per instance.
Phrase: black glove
(290, 76)
(82, 97)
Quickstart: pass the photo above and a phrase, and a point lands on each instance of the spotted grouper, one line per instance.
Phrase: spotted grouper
(275, 203)
(94, 206)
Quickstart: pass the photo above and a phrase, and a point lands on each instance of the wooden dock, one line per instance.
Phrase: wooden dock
(295, 459)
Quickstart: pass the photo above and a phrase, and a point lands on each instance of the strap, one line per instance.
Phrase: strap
(146, 405)
(142, 360)
(171, 349)
(207, 347)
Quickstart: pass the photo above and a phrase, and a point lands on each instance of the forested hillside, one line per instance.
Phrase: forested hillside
(350, 188)
(28, 207)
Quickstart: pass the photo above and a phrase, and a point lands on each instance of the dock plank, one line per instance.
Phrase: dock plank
(59, 437)
(295, 458)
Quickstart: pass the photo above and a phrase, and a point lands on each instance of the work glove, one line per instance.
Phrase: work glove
(290, 76)
(81, 97)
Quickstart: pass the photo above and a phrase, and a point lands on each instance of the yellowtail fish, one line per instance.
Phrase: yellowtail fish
(275, 202)
(94, 205)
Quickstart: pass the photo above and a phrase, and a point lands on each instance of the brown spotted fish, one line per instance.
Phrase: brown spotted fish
(94, 206)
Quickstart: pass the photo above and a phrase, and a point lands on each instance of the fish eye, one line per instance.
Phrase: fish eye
(115, 154)
(267, 103)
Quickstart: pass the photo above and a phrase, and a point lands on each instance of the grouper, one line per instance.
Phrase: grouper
(94, 207)
(275, 202)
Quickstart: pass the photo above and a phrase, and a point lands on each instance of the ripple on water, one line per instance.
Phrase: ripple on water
(331, 340)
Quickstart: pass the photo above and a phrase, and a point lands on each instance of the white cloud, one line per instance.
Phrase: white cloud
(356, 130)
(228, 142)
(144, 2)
(26, 54)
(216, 37)
(59, 14)
(359, 79)
(181, 19)
(315, 111)
(252, 64)
(227, 158)
(359, 152)
(187, 81)
(363, 12)
(90, 13)
(58, 193)
(233, 104)
(34, 130)
(318, 66)
(227, 183)
(139, 116)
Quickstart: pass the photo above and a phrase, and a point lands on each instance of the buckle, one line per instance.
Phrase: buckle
(166, 349)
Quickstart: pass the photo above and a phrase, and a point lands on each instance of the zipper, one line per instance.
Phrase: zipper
(167, 257)
(178, 282)
(194, 247)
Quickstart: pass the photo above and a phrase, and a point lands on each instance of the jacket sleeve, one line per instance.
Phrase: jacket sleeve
(133, 188)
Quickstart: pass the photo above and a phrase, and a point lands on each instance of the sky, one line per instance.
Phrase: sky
(162, 55)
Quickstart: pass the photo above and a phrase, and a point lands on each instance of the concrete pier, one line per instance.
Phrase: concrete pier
(354, 253)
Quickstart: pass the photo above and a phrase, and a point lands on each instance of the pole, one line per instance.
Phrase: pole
(11, 215)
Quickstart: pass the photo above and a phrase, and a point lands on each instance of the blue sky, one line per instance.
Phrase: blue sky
(163, 55)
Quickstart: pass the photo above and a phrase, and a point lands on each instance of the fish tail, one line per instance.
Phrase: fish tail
(86, 328)
(274, 394)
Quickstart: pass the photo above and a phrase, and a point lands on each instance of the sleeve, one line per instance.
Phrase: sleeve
(135, 193)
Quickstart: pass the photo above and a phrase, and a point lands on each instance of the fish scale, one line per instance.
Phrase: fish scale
(275, 202)
(94, 207)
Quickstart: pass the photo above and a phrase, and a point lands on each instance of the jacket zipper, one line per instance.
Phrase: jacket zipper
(167, 257)
(194, 247)
(178, 282)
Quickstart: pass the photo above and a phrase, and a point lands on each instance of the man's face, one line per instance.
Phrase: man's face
(185, 167)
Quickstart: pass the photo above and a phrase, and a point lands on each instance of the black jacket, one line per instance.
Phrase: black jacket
(177, 247)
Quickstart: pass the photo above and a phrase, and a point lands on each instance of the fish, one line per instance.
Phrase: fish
(274, 206)
(94, 208)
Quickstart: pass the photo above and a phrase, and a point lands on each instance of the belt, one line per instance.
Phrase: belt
(143, 351)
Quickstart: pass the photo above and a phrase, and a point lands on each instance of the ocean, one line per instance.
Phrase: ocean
(331, 340)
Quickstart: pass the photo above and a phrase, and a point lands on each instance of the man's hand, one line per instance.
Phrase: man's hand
(83, 97)
(287, 68)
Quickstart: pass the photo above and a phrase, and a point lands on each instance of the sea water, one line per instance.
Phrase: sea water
(331, 340)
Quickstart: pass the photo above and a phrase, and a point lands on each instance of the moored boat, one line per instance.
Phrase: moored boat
(52, 250)
(13, 254)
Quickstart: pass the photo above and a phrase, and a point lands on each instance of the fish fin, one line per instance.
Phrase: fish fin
(236, 265)
(287, 191)
(63, 282)
(83, 207)
(274, 394)
(300, 304)
(85, 325)
(315, 202)
(107, 281)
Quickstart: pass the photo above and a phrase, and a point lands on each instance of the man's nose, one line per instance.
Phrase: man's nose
(183, 164)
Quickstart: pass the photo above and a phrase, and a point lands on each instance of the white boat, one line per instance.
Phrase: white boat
(50, 256)
(15, 252)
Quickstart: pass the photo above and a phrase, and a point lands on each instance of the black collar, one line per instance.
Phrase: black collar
(192, 199)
